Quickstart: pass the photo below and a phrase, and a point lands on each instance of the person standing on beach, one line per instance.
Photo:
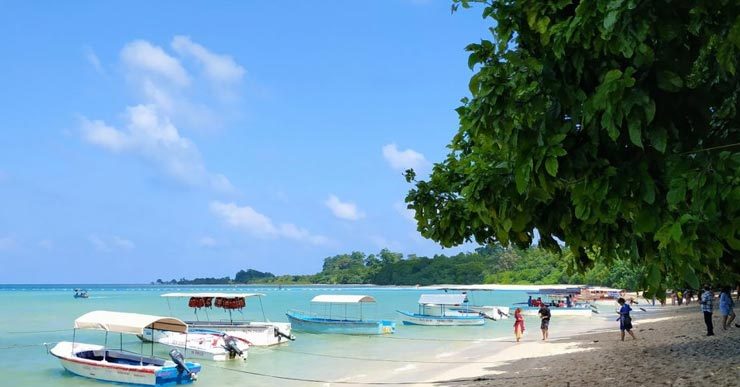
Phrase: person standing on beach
(545, 316)
(726, 307)
(707, 302)
(625, 321)
(518, 324)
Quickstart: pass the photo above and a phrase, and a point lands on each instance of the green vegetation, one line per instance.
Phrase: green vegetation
(609, 125)
(491, 264)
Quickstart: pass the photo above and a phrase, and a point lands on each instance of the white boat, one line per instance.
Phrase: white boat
(116, 365)
(255, 333)
(196, 344)
(442, 310)
(561, 302)
(492, 312)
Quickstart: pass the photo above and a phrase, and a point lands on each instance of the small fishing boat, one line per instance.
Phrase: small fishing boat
(81, 293)
(105, 363)
(254, 333)
(561, 302)
(333, 321)
(443, 310)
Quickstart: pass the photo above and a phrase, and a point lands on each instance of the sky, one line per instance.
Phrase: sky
(143, 140)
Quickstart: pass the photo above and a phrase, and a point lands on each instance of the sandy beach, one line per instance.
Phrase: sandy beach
(671, 349)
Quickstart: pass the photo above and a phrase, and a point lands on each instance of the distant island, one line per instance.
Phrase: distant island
(489, 264)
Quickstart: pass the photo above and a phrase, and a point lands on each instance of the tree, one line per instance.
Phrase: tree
(611, 126)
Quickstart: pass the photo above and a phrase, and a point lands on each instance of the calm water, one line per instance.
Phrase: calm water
(37, 314)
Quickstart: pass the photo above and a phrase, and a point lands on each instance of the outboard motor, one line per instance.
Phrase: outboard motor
(179, 359)
(231, 346)
(283, 335)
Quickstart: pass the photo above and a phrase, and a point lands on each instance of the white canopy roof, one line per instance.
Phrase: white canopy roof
(342, 298)
(206, 294)
(442, 299)
(132, 323)
(499, 287)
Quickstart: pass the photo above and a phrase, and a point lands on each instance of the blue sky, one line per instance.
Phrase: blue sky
(145, 140)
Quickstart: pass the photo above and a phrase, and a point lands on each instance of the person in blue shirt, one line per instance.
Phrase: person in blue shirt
(625, 321)
(726, 308)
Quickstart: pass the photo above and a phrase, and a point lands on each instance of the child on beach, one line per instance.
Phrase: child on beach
(625, 321)
(518, 324)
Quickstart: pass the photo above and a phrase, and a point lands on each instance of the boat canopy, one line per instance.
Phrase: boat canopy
(442, 299)
(221, 295)
(132, 323)
(342, 298)
(556, 292)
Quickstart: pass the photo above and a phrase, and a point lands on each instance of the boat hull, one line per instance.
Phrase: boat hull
(306, 323)
(207, 346)
(260, 334)
(125, 372)
(494, 312)
(461, 319)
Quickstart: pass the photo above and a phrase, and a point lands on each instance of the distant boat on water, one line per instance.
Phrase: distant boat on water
(337, 320)
(81, 293)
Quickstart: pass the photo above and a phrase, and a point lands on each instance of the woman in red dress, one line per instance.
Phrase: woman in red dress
(518, 324)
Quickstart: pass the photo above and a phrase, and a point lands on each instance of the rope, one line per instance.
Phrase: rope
(306, 380)
(402, 338)
(385, 360)
(49, 331)
(18, 346)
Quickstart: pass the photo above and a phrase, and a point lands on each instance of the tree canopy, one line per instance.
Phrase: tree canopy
(609, 126)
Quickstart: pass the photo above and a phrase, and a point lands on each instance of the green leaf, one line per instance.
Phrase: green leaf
(612, 75)
(610, 20)
(635, 129)
(654, 275)
(648, 189)
(521, 176)
(676, 232)
(690, 277)
(676, 195)
(649, 112)
(669, 81)
(646, 220)
(551, 164)
(658, 137)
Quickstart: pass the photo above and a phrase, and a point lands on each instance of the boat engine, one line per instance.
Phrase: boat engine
(179, 359)
(231, 346)
(283, 335)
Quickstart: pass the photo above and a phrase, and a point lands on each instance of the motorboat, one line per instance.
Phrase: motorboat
(335, 317)
(253, 333)
(81, 293)
(207, 345)
(561, 302)
(443, 310)
(491, 312)
(105, 363)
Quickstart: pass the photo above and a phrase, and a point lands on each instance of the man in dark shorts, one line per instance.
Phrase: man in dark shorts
(545, 316)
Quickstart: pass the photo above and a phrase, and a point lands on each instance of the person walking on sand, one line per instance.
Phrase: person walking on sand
(707, 302)
(625, 321)
(518, 324)
(726, 307)
(545, 316)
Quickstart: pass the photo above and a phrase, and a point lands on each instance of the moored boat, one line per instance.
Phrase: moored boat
(81, 293)
(117, 365)
(340, 321)
(255, 333)
(561, 302)
(442, 310)
(208, 345)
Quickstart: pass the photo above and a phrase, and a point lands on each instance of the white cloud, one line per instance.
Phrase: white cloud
(207, 241)
(407, 214)
(218, 68)
(256, 224)
(94, 60)
(343, 210)
(115, 243)
(7, 243)
(151, 59)
(403, 160)
(152, 136)
(150, 129)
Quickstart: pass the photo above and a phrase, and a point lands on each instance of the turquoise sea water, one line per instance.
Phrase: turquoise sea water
(37, 314)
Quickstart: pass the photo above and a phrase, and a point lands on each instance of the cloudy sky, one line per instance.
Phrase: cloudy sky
(145, 140)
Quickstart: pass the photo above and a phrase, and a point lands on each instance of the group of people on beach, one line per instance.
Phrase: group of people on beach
(726, 308)
(543, 313)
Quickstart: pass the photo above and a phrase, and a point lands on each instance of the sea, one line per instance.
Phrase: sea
(37, 316)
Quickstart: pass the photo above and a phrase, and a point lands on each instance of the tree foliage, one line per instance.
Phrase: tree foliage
(611, 126)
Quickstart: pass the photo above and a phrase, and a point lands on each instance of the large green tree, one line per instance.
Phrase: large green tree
(611, 126)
